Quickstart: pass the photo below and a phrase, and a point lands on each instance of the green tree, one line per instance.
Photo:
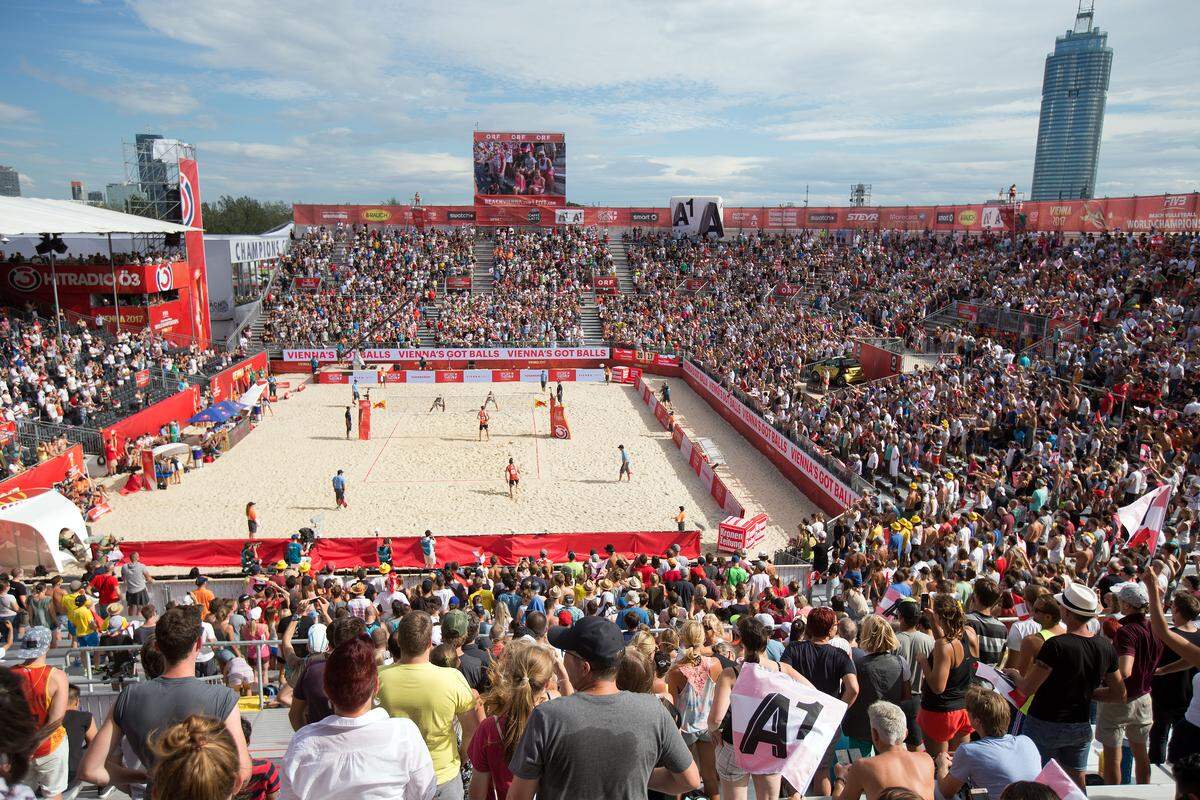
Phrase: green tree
(244, 215)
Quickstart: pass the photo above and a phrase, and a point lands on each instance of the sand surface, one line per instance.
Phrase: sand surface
(427, 470)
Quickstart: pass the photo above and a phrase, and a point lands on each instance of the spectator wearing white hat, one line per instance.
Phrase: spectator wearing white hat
(1070, 671)
(1138, 653)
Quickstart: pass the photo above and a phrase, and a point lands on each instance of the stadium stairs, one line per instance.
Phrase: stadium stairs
(589, 319)
(481, 272)
(620, 257)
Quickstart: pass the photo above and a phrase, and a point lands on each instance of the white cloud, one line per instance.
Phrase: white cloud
(26, 180)
(15, 115)
(258, 151)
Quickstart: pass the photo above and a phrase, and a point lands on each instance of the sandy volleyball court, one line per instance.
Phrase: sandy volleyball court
(426, 469)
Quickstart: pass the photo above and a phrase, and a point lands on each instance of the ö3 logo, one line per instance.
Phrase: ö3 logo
(162, 277)
(24, 279)
(187, 200)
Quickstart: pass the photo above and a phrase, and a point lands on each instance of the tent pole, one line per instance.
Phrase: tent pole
(113, 268)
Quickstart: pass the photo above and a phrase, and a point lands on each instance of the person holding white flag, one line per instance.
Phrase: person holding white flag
(1144, 518)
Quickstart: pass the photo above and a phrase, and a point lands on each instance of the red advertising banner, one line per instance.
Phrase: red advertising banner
(149, 474)
(141, 378)
(42, 477)
(695, 284)
(557, 375)
(8, 431)
(787, 290)
(448, 376)
(459, 283)
(235, 380)
(364, 419)
(191, 213)
(303, 284)
(177, 408)
(605, 284)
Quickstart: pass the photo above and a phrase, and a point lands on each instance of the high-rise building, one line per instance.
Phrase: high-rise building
(76, 190)
(122, 196)
(1074, 88)
(95, 197)
(10, 182)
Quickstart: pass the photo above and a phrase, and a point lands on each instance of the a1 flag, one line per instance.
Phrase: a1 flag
(1144, 518)
(1060, 782)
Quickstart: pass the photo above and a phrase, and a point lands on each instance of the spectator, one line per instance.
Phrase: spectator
(893, 767)
(81, 730)
(196, 759)
(359, 751)
(556, 756)
(18, 737)
(829, 668)
(45, 689)
(1172, 687)
(881, 673)
(990, 632)
(524, 676)
(433, 697)
(309, 702)
(948, 671)
(996, 759)
(1068, 675)
(142, 709)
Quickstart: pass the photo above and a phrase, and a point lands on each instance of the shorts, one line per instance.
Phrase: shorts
(625, 468)
(132, 599)
(513, 481)
(483, 427)
(1067, 743)
(252, 526)
(726, 763)
(48, 775)
(89, 640)
(942, 726)
(1115, 721)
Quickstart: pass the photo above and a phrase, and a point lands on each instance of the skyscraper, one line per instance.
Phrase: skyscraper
(1074, 88)
(10, 182)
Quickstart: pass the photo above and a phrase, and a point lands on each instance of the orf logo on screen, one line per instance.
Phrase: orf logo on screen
(187, 200)
(24, 278)
(376, 215)
(967, 217)
(162, 277)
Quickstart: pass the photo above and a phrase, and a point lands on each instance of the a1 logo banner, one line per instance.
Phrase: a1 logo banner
(781, 725)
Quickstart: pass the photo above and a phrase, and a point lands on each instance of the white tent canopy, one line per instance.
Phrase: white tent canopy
(171, 449)
(33, 216)
(29, 531)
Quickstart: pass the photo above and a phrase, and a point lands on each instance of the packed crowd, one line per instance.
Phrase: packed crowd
(491, 681)
(373, 284)
(538, 277)
(86, 376)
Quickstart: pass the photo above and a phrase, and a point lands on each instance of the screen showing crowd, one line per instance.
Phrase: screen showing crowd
(521, 164)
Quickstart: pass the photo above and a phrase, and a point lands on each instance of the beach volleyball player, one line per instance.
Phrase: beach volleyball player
(483, 425)
(512, 474)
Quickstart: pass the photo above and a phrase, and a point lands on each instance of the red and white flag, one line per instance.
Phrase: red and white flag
(890, 599)
(1144, 518)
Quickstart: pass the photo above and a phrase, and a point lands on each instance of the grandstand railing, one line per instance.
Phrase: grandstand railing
(32, 431)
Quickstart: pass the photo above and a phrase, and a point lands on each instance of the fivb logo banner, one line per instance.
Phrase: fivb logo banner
(697, 216)
(782, 725)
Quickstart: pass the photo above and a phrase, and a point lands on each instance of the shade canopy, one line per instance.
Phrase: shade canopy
(33, 216)
(219, 412)
(29, 531)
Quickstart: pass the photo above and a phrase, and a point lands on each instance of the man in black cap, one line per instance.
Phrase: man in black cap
(556, 756)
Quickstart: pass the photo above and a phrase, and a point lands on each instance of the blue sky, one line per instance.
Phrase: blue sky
(356, 101)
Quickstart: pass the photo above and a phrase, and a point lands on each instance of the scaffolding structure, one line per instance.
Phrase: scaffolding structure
(860, 194)
(152, 164)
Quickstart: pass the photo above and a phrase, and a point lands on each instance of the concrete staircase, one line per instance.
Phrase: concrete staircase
(481, 272)
(589, 319)
(620, 257)
(430, 314)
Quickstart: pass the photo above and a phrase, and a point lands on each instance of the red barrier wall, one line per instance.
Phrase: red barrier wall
(231, 382)
(41, 477)
(876, 362)
(352, 552)
(809, 476)
(177, 407)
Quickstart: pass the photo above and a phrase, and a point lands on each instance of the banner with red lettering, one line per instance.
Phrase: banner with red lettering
(141, 378)
(605, 284)
(304, 284)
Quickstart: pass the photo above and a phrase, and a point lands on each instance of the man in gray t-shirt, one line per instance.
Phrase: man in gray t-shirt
(144, 709)
(600, 742)
(135, 577)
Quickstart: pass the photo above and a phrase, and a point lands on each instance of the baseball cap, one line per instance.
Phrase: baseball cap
(317, 639)
(1134, 594)
(766, 620)
(594, 639)
(34, 644)
(455, 623)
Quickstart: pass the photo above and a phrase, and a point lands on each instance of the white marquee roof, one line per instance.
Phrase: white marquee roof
(33, 216)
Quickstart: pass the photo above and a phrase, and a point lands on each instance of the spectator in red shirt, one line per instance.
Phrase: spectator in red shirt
(106, 586)
(264, 777)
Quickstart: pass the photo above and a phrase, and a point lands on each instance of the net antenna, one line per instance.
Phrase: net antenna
(1083, 17)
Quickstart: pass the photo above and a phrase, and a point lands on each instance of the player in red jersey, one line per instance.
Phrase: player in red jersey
(483, 425)
(513, 474)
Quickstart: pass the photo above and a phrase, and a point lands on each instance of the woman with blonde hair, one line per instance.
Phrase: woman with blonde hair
(521, 681)
(883, 674)
(195, 760)
(714, 631)
(691, 681)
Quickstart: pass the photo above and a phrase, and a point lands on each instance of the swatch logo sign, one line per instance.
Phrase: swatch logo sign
(24, 279)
